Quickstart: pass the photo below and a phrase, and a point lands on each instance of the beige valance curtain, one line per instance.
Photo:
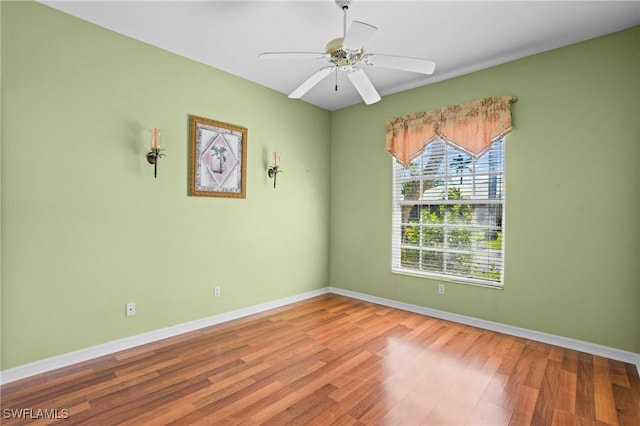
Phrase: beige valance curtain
(472, 126)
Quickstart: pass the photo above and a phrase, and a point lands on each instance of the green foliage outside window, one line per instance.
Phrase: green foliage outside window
(450, 227)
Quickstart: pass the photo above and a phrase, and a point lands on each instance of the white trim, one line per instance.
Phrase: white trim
(85, 354)
(565, 342)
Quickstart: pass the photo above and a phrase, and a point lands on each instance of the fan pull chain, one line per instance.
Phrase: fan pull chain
(336, 79)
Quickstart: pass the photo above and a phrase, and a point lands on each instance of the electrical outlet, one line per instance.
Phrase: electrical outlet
(216, 291)
(130, 309)
(440, 288)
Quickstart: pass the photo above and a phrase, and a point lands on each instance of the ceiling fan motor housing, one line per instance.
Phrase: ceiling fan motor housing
(342, 57)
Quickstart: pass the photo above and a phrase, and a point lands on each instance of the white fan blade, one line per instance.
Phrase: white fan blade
(312, 81)
(422, 66)
(363, 85)
(359, 33)
(293, 55)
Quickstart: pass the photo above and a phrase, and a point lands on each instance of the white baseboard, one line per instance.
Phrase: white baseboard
(565, 342)
(86, 354)
(48, 364)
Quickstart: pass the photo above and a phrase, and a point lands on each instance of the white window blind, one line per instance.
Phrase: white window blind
(448, 215)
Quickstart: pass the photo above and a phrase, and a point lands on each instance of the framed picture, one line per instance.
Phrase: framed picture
(218, 158)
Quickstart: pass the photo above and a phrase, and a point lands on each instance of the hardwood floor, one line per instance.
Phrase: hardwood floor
(334, 360)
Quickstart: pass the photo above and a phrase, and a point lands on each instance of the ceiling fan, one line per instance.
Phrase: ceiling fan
(347, 54)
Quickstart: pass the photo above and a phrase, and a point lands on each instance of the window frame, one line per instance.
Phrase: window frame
(398, 226)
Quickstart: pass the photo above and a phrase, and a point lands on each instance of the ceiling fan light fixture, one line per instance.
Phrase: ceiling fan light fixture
(342, 58)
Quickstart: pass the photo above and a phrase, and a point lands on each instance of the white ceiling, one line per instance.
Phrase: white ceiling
(460, 36)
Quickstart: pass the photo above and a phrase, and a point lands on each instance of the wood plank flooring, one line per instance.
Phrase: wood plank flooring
(333, 360)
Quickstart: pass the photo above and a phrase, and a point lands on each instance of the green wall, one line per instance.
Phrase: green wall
(572, 198)
(85, 226)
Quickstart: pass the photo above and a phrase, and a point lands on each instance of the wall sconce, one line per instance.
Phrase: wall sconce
(154, 155)
(273, 171)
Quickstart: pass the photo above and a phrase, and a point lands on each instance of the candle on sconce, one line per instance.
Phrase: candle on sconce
(273, 171)
(156, 139)
(155, 153)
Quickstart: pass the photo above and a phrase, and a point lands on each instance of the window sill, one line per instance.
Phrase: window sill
(448, 279)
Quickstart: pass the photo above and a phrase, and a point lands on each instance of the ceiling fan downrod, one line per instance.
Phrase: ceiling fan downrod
(344, 5)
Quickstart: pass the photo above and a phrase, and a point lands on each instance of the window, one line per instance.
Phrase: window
(448, 214)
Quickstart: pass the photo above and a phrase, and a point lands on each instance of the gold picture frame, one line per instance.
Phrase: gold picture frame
(218, 158)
